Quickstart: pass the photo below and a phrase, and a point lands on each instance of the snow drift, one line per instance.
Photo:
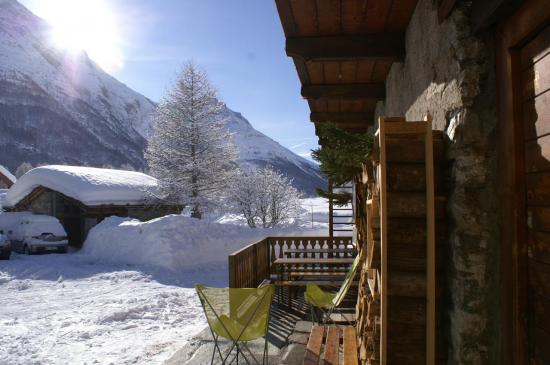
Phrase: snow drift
(173, 242)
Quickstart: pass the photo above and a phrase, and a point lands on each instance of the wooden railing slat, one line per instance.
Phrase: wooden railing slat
(249, 266)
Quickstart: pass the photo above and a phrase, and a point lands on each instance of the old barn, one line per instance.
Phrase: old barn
(81, 197)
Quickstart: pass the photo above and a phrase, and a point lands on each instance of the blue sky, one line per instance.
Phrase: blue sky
(240, 43)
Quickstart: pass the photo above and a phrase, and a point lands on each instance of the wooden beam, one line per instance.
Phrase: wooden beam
(286, 16)
(383, 46)
(445, 9)
(347, 128)
(487, 12)
(345, 91)
(383, 242)
(351, 127)
(430, 238)
(366, 118)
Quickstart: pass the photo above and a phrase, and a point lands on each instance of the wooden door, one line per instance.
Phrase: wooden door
(535, 104)
(523, 156)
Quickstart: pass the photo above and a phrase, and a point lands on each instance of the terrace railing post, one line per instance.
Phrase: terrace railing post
(330, 211)
(268, 257)
(255, 265)
(232, 273)
(268, 254)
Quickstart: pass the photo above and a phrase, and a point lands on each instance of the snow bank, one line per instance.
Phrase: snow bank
(173, 242)
(92, 186)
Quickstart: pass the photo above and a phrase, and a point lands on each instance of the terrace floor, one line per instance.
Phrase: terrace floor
(288, 334)
(287, 337)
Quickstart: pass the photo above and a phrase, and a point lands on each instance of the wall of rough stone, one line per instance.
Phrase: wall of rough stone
(448, 73)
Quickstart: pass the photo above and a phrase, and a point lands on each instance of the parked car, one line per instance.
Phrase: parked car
(5, 246)
(39, 234)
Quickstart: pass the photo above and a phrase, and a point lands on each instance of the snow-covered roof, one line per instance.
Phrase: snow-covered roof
(4, 171)
(89, 185)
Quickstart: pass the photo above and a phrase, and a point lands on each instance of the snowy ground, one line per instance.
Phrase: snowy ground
(64, 309)
(81, 308)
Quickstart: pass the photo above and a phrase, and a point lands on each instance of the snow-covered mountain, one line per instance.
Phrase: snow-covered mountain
(257, 149)
(57, 107)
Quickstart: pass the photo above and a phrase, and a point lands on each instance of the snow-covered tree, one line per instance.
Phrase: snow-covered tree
(265, 197)
(244, 196)
(191, 151)
(127, 167)
(23, 169)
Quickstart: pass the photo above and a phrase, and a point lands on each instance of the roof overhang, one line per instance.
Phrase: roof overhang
(343, 51)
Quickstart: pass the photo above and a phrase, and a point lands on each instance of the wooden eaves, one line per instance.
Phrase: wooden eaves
(343, 51)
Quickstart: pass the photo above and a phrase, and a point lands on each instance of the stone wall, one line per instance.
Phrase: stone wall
(449, 73)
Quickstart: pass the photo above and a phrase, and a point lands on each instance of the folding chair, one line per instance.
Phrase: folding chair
(327, 302)
(239, 315)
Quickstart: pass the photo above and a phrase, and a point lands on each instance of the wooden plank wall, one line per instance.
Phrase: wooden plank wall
(396, 308)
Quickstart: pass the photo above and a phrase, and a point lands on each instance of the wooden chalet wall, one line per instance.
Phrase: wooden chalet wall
(399, 204)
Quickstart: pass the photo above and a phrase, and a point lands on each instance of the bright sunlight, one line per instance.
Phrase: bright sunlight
(85, 25)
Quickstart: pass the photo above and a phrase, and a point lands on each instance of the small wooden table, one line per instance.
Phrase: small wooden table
(306, 251)
(312, 269)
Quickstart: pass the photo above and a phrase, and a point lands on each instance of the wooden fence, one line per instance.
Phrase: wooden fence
(249, 266)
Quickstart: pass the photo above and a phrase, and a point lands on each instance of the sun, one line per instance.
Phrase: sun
(85, 25)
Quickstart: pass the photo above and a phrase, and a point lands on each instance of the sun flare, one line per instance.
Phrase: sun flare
(88, 25)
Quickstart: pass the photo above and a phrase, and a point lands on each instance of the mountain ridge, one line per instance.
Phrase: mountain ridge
(57, 107)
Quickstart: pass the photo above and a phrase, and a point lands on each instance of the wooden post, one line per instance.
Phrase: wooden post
(255, 266)
(231, 266)
(383, 243)
(330, 212)
(430, 238)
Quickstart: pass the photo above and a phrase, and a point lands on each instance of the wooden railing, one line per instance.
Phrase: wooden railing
(249, 266)
(252, 264)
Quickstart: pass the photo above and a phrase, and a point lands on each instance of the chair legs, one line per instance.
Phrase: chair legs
(239, 350)
(325, 315)
(313, 315)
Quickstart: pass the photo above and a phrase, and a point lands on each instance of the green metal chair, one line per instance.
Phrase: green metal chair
(239, 315)
(327, 302)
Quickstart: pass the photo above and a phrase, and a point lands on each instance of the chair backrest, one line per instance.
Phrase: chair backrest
(347, 282)
(247, 306)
